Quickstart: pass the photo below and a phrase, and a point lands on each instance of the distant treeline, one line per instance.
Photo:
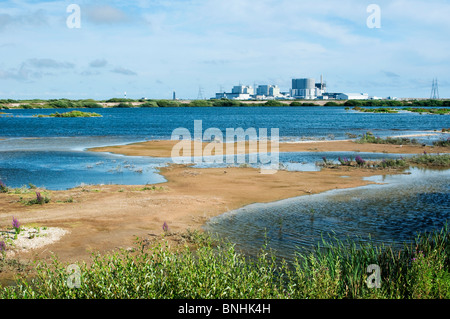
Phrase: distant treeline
(128, 103)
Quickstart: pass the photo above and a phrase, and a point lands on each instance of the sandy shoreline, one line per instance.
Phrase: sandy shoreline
(108, 217)
(163, 148)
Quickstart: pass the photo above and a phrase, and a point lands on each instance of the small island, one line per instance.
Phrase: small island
(72, 114)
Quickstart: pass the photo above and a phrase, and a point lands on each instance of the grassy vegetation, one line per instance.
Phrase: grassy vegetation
(428, 160)
(376, 110)
(368, 137)
(442, 160)
(72, 114)
(336, 269)
(442, 143)
(385, 106)
(421, 110)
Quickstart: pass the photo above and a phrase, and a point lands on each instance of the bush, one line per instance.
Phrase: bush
(149, 104)
(442, 160)
(442, 142)
(168, 103)
(73, 114)
(200, 103)
(226, 102)
(353, 103)
(124, 105)
(274, 103)
(370, 138)
(331, 104)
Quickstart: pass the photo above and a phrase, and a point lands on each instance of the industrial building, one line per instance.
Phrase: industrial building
(242, 92)
(352, 96)
(307, 88)
(302, 88)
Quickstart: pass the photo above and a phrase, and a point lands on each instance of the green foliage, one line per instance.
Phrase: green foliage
(200, 103)
(353, 103)
(274, 103)
(442, 142)
(149, 104)
(72, 114)
(332, 104)
(296, 103)
(118, 100)
(336, 269)
(168, 103)
(124, 105)
(226, 102)
(368, 137)
(8, 101)
(442, 160)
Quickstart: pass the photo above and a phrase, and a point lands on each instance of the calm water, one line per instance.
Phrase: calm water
(50, 152)
(391, 213)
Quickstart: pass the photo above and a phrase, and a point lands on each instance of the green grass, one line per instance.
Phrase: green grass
(337, 269)
(73, 114)
(442, 143)
(370, 138)
(441, 160)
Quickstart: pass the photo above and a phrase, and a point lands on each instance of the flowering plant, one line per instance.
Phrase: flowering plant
(16, 225)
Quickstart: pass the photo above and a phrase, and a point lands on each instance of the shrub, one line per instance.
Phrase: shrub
(72, 114)
(200, 103)
(368, 137)
(168, 103)
(124, 105)
(274, 103)
(353, 103)
(442, 143)
(227, 102)
(3, 187)
(442, 160)
(149, 104)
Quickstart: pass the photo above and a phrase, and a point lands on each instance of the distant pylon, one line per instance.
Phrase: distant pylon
(200, 94)
(434, 90)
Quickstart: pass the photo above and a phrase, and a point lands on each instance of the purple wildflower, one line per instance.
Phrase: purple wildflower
(39, 197)
(359, 160)
(324, 159)
(165, 227)
(2, 246)
(16, 225)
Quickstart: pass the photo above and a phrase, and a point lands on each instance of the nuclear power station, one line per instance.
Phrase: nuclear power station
(302, 89)
(307, 88)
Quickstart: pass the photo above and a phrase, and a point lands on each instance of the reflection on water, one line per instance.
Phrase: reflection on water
(391, 213)
(56, 170)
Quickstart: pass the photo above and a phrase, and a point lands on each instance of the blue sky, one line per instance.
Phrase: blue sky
(152, 48)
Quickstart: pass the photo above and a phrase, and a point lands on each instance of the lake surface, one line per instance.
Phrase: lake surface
(392, 213)
(51, 153)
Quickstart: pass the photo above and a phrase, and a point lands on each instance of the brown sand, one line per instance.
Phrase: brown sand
(163, 148)
(103, 218)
